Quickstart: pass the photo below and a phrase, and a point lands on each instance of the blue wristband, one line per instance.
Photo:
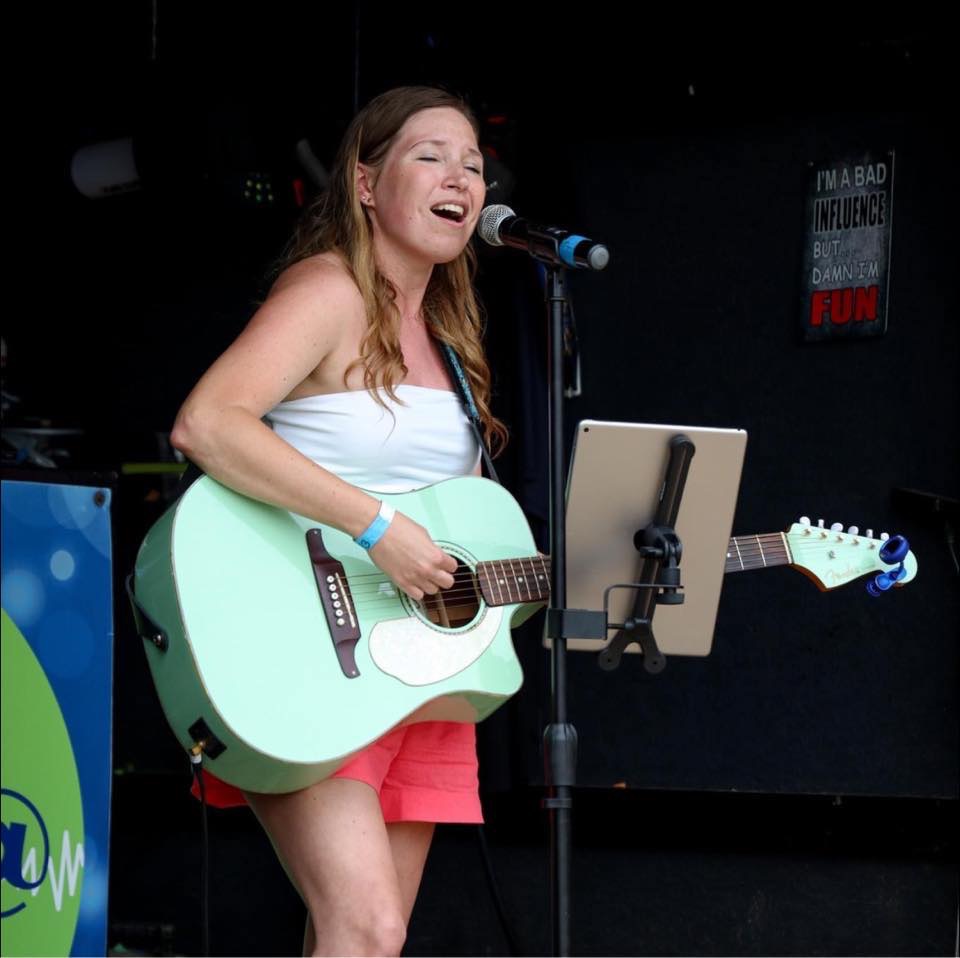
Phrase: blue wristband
(374, 532)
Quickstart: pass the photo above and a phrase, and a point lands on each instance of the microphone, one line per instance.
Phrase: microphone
(500, 226)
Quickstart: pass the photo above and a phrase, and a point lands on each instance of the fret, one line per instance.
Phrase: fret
(777, 551)
(504, 580)
(522, 580)
(787, 558)
(763, 558)
(757, 552)
(483, 576)
(532, 581)
(517, 579)
(543, 582)
(525, 580)
(499, 582)
(496, 591)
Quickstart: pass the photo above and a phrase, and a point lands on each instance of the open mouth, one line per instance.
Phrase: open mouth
(449, 211)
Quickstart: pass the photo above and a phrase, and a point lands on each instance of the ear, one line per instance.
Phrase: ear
(365, 182)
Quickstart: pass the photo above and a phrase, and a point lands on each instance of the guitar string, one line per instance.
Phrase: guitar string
(519, 576)
(746, 545)
(466, 587)
(512, 573)
(513, 591)
(510, 583)
(801, 549)
(370, 598)
(372, 583)
(490, 563)
(369, 584)
(468, 594)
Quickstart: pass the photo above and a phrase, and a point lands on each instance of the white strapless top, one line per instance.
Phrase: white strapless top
(428, 437)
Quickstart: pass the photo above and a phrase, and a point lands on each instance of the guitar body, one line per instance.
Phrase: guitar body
(250, 651)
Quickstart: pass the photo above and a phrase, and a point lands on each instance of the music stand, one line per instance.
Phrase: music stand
(615, 483)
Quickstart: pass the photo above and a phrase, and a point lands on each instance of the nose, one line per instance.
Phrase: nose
(457, 176)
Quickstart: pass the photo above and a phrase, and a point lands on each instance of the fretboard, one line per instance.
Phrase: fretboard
(508, 581)
(757, 552)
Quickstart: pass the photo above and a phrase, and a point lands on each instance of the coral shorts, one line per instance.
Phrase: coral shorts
(425, 772)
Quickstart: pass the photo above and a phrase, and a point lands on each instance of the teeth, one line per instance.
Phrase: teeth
(450, 207)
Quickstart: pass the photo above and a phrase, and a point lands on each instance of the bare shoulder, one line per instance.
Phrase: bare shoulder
(323, 279)
(293, 341)
(309, 307)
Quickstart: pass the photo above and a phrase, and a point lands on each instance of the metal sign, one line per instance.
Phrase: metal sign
(846, 264)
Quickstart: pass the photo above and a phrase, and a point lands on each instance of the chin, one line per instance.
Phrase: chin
(446, 252)
(444, 258)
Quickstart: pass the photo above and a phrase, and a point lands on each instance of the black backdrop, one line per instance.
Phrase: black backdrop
(685, 148)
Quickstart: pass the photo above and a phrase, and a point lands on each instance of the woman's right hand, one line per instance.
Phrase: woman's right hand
(412, 560)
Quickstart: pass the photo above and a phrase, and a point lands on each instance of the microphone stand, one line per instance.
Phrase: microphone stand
(555, 248)
(559, 737)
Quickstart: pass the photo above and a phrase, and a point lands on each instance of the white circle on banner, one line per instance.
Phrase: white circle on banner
(62, 565)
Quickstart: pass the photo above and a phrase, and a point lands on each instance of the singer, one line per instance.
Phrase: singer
(337, 386)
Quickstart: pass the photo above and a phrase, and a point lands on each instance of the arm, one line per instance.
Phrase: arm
(219, 427)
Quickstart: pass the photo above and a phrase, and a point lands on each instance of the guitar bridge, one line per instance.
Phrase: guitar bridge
(337, 602)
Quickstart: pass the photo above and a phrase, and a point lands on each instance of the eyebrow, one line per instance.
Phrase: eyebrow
(443, 143)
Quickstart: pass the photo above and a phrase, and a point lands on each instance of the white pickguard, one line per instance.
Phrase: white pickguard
(412, 652)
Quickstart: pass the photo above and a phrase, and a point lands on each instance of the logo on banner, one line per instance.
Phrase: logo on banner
(40, 808)
(19, 813)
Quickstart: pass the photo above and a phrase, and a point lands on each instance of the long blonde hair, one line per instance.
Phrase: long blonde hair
(338, 221)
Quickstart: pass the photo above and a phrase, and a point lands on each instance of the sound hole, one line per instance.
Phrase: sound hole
(455, 607)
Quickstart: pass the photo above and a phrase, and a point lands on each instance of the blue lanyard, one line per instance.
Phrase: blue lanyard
(466, 397)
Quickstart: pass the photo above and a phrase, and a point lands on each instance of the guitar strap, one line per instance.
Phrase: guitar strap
(459, 378)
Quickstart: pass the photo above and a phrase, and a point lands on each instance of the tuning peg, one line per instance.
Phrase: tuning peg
(869, 533)
(804, 520)
(837, 527)
(819, 523)
(853, 530)
(884, 536)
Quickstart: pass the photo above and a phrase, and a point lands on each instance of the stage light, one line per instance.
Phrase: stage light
(105, 169)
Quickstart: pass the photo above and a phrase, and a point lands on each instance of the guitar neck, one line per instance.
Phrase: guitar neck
(510, 581)
(757, 552)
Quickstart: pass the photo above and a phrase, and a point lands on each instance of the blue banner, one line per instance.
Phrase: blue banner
(57, 676)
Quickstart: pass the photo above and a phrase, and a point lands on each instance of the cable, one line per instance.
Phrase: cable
(512, 945)
(196, 762)
(950, 537)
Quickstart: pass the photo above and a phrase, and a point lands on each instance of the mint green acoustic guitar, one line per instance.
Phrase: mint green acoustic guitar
(280, 649)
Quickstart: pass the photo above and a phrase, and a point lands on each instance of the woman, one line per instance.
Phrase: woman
(342, 361)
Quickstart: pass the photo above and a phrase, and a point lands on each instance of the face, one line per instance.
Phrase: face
(425, 198)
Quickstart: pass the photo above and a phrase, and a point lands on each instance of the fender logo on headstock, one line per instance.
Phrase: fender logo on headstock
(841, 576)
